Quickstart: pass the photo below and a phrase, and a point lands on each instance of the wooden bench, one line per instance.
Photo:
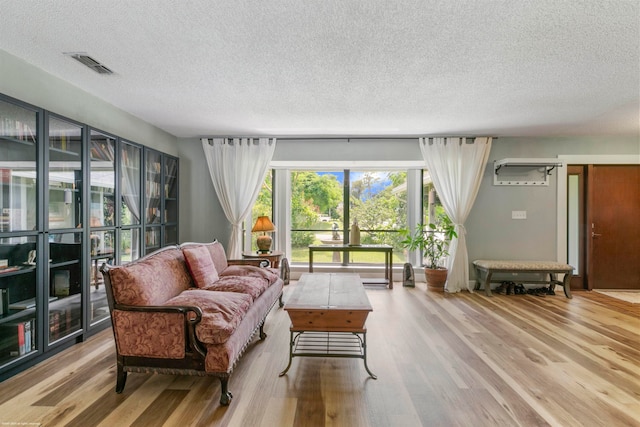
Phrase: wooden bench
(487, 268)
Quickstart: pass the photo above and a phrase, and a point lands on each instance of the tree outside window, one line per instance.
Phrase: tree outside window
(318, 200)
(377, 199)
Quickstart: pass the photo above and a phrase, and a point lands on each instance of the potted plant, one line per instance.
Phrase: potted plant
(433, 241)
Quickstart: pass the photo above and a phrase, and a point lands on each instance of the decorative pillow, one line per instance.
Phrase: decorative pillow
(200, 265)
(138, 283)
(219, 257)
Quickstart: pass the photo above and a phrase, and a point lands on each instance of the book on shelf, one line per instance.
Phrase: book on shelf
(61, 322)
(54, 325)
(17, 338)
(17, 130)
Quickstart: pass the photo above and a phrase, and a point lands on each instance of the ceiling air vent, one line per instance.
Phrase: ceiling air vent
(85, 59)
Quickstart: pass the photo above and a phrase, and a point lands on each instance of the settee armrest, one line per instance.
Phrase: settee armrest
(256, 262)
(192, 316)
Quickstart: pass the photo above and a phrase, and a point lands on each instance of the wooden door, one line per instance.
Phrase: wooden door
(613, 227)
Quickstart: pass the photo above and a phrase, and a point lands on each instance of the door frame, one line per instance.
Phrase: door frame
(561, 182)
(579, 278)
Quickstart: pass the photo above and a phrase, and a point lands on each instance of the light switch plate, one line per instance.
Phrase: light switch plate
(518, 214)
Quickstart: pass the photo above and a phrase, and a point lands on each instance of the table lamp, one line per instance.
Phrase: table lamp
(264, 224)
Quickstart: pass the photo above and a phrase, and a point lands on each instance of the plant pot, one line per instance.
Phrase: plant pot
(436, 278)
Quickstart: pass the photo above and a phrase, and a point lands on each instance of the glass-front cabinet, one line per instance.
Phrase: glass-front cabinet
(161, 200)
(131, 202)
(18, 303)
(102, 218)
(170, 216)
(20, 242)
(18, 173)
(64, 228)
(71, 199)
(152, 200)
(65, 285)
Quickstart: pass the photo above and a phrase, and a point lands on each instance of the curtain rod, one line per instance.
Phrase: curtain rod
(379, 138)
(347, 138)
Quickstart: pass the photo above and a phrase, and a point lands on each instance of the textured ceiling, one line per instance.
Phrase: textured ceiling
(346, 67)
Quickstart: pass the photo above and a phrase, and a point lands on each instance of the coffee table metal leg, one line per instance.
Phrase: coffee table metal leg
(291, 343)
(364, 350)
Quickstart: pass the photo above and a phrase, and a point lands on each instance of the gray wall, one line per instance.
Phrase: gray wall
(201, 216)
(491, 233)
(342, 149)
(30, 84)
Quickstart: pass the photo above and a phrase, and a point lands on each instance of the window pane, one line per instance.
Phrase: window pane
(171, 192)
(316, 211)
(378, 203)
(17, 168)
(152, 239)
(131, 184)
(18, 285)
(65, 287)
(170, 235)
(376, 199)
(102, 203)
(431, 206)
(263, 206)
(153, 181)
(65, 174)
(130, 245)
(101, 252)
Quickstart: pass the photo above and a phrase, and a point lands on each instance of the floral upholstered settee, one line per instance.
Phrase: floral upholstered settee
(188, 310)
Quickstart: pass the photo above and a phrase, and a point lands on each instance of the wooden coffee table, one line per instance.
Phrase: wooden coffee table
(328, 313)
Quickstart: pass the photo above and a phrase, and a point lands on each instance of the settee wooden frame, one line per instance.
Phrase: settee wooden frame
(193, 362)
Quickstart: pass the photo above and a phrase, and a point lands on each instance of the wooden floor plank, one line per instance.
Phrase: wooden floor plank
(161, 408)
(457, 360)
(279, 412)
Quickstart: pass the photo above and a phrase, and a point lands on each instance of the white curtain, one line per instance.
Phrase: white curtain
(237, 167)
(456, 167)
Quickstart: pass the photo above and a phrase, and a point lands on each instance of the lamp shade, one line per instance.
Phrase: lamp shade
(264, 224)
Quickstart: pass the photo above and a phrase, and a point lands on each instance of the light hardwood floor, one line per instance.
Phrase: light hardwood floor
(441, 360)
